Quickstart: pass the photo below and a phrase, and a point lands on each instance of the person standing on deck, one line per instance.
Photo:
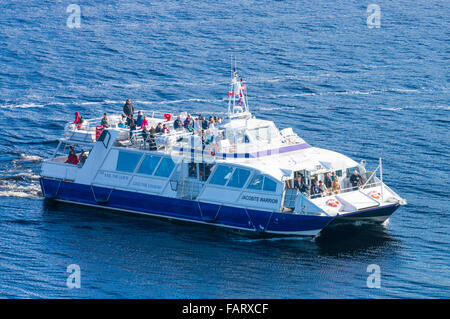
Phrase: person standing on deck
(139, 119)
(128, 108)
(355, 180)
(105, 121)
(327, 180)
(178, 125)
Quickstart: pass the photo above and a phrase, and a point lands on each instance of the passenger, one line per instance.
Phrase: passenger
(83, 157)
(128, 108)
(323, 189)
(190, 126)
(327, 180)
(77, 121)
(105, 121)
(132, 124)
(204, 138)
(152, 131)
(72, 158)
(355, 180)
(139, 119)
(204, 124)
(80, 123)
(151, 139)
(121, 124)
(178, 125)
(145, 134)
(212, 123)
(335, 185)
(165, 130)
(187, 120)
(300, 184)
(159, 128)
(315, 191)
(144, 124)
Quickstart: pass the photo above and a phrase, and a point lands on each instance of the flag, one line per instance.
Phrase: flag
(230, 93)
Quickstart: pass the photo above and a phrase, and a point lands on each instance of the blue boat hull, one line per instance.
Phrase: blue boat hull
(377, 215)
(256, 221)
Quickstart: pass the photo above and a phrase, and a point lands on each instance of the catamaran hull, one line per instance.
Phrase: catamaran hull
(374, 215)
(236, 218)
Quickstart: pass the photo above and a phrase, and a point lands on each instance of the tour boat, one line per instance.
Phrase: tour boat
(239, 174)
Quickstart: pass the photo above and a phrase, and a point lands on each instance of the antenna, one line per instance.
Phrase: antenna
(237, 96)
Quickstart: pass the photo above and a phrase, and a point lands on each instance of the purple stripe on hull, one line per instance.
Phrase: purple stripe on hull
(252, 220)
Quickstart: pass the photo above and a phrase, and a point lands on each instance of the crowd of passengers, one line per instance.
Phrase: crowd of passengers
(149, 132)
(330, 185)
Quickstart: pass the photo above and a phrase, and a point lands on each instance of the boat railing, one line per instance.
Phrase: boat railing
(370, 182)
(189, 189)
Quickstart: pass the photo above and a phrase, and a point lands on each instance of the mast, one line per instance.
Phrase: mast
(237, 97)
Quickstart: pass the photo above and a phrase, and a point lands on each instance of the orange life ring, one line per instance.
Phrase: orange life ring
(213, 149)
(333, 202)
(375, 194)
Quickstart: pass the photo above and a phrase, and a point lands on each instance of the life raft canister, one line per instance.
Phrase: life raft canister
(375, 194)
(98, 131)
(333, 202)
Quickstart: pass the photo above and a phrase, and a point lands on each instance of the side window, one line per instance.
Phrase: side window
(239, 178)
(269, 185)
(149, 164)
(165, 168)
(127, 161)
(222, 175)
(256, 182)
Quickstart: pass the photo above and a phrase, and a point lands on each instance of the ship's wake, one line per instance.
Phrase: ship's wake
(19, 181)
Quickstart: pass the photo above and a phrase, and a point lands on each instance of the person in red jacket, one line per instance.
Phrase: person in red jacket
(72, 158)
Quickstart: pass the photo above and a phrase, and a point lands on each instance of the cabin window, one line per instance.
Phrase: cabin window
(256, 183)
(127, 161)
(269, 185)
(165, 168)
(149, 164)
(239, 178)
(221, 175)
(259, 180)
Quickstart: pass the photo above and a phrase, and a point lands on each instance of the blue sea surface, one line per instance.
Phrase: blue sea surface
(315, 66)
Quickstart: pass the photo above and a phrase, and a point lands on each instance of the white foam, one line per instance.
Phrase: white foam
(21, 106)
(9, 189)
(30, 158)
